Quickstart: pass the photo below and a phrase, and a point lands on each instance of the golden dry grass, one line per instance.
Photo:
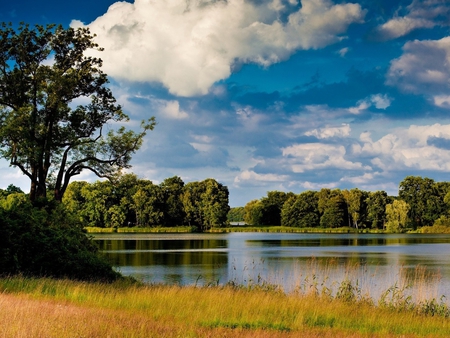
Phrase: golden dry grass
(48, 308)
(22, 317)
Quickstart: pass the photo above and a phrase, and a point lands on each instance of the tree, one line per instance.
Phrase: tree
(215, 204)
(44, 74)
(376, 208)
(357, 206)
(97, 201)
(148, 204)
(205, 204)
(335, 212)
(253, 212)
(396, 215)
(333, 208)
(301, 210)
(236, 214)
(172, 188)
(271, 207)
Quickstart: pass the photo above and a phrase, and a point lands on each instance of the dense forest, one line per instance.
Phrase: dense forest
(129, 201)
(420, 202)
(133, 202)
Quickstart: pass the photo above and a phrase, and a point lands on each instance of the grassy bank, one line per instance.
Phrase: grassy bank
(272, 229)
(188, 229)
(49, 308)
(177, 229)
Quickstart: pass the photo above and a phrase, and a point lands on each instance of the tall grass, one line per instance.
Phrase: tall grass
(63, 308)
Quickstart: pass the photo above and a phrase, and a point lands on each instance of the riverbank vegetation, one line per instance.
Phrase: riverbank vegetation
(132, 202)
(63, 308)
(46, 240)
(421, 203)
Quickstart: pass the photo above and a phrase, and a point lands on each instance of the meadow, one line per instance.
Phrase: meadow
(64, 308)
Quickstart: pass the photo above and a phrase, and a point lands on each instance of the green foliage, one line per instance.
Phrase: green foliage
(396, 216)
(266, 211)
(129, 201)
(42, 132)
(148, 204)
(376, 209)
(333, 207)
(236, 214)
(425, 198)
(172, 188)
(357, 205)
(47, 241)
(253, 212)
(301, 210)
(205, 204)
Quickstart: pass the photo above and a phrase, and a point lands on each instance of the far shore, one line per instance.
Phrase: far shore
(272, 229)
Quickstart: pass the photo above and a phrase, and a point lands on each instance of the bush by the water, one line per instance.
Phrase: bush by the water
(44, 240)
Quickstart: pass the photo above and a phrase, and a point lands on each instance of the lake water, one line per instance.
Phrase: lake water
(375, 262)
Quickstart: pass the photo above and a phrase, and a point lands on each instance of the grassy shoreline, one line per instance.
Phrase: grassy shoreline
(63, 308)
(188, 229)
(271, 229)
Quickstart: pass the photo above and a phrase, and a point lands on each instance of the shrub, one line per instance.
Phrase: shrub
(45, 240)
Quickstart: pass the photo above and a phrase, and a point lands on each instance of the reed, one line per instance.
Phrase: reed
(63, 308)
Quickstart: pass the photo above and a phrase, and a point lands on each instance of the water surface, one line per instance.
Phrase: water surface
(375, 262)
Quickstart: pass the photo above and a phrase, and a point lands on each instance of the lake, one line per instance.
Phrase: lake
(373, 262)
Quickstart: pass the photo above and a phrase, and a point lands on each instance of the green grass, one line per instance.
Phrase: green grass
(177, 229)
(189, 229)
(63, 308)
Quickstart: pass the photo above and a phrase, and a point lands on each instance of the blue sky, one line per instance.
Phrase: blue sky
(274, 94)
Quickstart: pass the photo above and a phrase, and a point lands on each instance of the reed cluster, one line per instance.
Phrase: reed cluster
(64, 308)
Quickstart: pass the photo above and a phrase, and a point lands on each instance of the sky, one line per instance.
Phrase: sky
(266, 95)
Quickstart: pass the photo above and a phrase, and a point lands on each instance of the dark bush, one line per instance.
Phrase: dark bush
(46, 241)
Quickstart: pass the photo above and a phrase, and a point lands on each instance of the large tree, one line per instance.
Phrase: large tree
(54, 107)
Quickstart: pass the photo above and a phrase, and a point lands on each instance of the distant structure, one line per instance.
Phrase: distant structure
(238, 223)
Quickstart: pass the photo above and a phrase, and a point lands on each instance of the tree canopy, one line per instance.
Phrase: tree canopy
(54, 106)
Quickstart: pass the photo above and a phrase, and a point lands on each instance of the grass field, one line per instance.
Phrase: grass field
(63, 308)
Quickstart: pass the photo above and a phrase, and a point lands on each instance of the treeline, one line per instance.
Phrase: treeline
(130, 201)
(420, 202)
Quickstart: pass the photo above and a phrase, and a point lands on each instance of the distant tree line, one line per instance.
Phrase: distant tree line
(129, 201)
(420, 202)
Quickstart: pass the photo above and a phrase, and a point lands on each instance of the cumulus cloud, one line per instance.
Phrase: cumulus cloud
(343, 51)
(442, 101)
(424, 67)
(419, 14)
(329, 132)
(418, 147)
(170, 109)
(378, 100)
(315, 156)
(188, 46)
(250, 175)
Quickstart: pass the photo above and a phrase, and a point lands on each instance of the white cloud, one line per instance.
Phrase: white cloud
(328, 132)
(408, 148)
(343, 51)
(189, 46)
(362, 106)
(250, 175)
(378, 100)
(420, 14)
(171, 109)
(400, 26)
(442, 101)
(315, 156)
(424, 67)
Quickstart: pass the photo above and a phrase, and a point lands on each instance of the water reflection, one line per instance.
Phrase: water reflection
(375, 261)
